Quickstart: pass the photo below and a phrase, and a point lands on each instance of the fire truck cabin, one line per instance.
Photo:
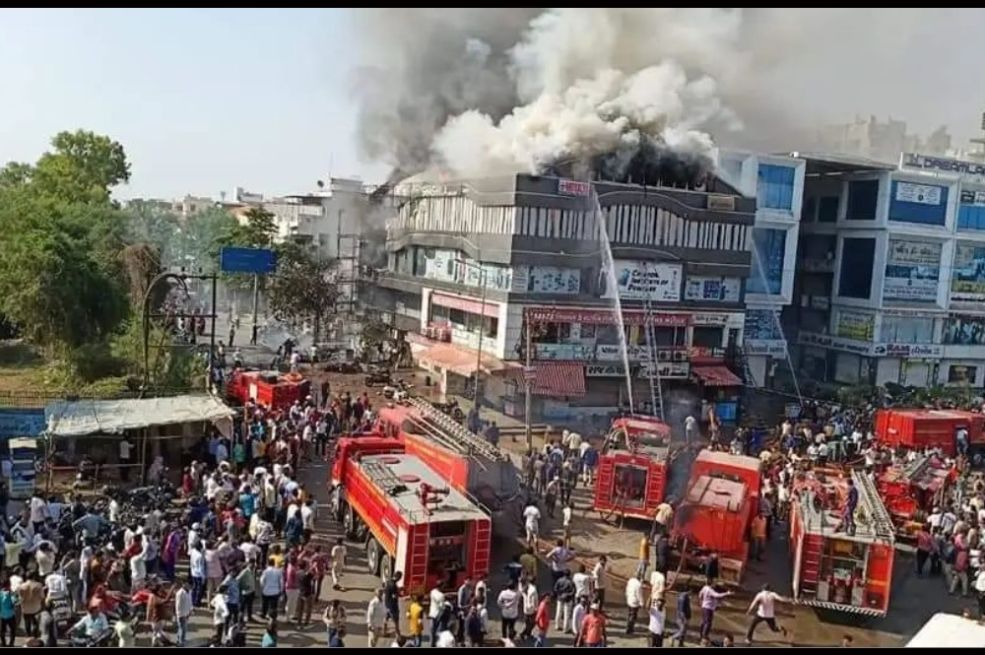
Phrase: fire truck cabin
(716, 515)
(268, 389)
(632, 477)
(833, 569)
(410, 519)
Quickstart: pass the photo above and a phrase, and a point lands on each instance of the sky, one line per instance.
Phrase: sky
(202, 100)
(207, 100)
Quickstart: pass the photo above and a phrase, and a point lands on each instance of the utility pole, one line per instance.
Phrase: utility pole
(528, 384)
(478, 348)
(256, 302)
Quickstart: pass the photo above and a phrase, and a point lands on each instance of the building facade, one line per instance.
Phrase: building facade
(891, 272)
(777, 183)
(477, 265)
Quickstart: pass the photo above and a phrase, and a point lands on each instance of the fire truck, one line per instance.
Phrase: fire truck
(833, 569)
(930, 428)
(913, 489)
(267, 388)
(632, 473)
(464, 460)
(716, 513)
(408, 518)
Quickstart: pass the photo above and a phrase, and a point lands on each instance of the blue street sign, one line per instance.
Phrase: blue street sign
(247, 260)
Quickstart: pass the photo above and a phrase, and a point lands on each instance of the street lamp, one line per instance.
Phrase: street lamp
(482, 319)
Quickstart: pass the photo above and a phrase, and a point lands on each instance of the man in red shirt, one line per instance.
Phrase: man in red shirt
(592, 633)
(542, 621)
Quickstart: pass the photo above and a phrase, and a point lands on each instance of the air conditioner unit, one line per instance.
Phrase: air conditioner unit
(680, 356)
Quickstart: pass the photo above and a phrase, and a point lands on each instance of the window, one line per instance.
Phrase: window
(827, 209)
(863, 196)
(855, 280)
(457, 317)
(809, 211)
(962, 374)
(971, 217)
(771, 246)
(905, 329)
(707, 337)
(774, 188)
(630, 485)
(965, 330)
(552, 333)
(588, 331)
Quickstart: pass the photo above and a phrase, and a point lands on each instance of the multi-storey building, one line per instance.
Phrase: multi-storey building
(891, 274)
(777, 183)
(475, 265)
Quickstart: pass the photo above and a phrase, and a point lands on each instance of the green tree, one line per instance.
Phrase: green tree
(202, 235)
(303, 288)
(82, 167)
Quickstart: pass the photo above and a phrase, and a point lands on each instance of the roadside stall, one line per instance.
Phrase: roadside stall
(172, 428)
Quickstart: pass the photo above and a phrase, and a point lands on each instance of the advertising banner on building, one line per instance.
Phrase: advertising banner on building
(964, 330)
(912, 271)
(968, 281)
(551, 279)
(923, 194)
(590, 316)
(713, 289)
(855, 325)
(645, 280)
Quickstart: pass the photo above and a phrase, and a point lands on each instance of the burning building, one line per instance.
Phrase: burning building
(476, 264)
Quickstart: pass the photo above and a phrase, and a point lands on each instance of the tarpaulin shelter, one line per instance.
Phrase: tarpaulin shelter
(73, 419)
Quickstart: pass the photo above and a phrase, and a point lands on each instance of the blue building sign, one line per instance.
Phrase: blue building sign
(247, 260)
(17, 422)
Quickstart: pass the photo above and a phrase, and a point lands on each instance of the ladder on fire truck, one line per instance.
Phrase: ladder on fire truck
(651, 362)
(446, 430)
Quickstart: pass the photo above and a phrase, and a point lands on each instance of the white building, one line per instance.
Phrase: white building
(891, 273)
(777, 183)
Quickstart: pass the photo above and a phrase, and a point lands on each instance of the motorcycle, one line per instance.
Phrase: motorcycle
(101, 640)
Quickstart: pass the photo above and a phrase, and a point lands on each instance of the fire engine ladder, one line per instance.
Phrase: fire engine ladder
(652, 366)
(449, 431)
(877, 514)
(382, 476)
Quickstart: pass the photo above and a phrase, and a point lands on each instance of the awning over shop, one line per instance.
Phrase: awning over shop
(554, 379)
(86, 417)
(457, 359)
(716, 376)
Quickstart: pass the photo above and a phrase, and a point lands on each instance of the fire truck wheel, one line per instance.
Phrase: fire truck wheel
(349, 522)
(373, 556)
(386, 567)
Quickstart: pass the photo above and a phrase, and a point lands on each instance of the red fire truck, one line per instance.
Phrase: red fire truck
(930, 428)
(913, 489)
(632, 474)
(833, 569)
(715, 515)
(410, 521)
(464, 460)
(267, 388)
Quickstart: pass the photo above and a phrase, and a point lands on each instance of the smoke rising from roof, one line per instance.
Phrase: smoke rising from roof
(481, 91)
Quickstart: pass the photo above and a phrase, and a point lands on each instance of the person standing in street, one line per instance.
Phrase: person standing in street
(683, 616)
(435, 601)
(182, 612)
(593, 633)
(375, 619)
(658, 620)
(765, 606)
(338, 563)
(415, 621)
(542, 621)
(644, 559)
(709, 598)
(528, 592)
(634, 600)
(509, 608)
(600, 580)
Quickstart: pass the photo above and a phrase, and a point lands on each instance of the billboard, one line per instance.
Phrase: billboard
(855, 325)
(964, 330)
(968, 281)
(247, 260)
(644, 281)
(912, 271)
(918, 203)
(714, 289)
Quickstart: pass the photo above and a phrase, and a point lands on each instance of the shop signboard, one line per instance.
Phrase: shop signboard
(858, 326)
(776, 348)
(911, 350)
(912, 271)
(968, 281)
(943, 165)
(604, 370)
(593, 316)
(674, 370)
(712, 289)
(636, 280)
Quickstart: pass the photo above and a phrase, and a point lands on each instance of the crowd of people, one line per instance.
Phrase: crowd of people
(235, 539)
